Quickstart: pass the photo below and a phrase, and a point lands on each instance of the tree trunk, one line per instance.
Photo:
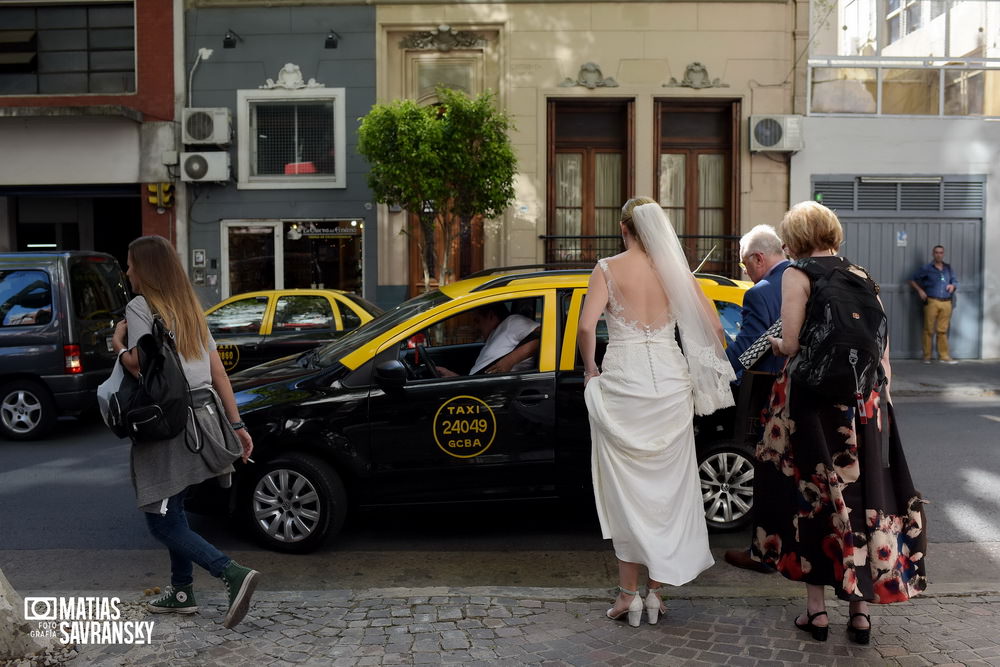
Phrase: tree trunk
(15, 639)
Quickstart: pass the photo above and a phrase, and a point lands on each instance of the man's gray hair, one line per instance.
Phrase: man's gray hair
(761, 238)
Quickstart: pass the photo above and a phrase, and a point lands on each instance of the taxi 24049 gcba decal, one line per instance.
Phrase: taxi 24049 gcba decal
(464, 427)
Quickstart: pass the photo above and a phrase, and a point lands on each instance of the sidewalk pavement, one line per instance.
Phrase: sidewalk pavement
(911, 377)
(727, 616)
(511, 626)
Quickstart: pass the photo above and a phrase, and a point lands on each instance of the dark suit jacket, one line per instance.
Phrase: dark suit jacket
(761, 309)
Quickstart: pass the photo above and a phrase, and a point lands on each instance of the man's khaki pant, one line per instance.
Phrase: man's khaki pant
(937, 318)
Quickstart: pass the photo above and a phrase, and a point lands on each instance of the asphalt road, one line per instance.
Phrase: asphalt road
(68, 499)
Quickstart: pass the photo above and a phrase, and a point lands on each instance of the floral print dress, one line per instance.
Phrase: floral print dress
(827, 511)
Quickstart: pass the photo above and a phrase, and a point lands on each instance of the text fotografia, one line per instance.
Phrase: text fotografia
(85, 620)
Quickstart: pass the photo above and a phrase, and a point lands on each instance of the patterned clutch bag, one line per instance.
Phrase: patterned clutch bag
(761, 346)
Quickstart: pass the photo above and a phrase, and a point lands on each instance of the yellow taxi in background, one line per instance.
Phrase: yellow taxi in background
(369, 420)
(255, 327)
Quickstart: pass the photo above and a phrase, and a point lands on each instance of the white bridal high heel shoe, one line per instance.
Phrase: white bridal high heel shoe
(634, 609)
(654, 606)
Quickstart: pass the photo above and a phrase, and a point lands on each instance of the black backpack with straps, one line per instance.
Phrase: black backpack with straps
(157, 406)
(844, 334)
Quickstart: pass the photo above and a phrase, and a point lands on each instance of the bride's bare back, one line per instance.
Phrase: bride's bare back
(634, 291)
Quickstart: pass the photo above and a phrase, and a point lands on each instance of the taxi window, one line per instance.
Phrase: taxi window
(732, 318)
(25, 298)
(349, 317)
(601, 332)
(302, 312)
(242, 316)
(457, 344)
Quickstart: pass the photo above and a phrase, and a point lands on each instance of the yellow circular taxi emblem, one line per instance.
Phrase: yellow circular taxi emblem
(464, 427)
(230, 355)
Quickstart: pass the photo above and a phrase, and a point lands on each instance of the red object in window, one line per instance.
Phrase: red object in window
(416, 339)
(300, 168)
(72, 355)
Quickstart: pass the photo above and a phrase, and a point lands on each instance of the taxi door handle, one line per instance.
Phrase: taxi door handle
(531, 397)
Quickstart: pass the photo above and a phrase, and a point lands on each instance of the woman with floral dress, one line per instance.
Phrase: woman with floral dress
(829, 510)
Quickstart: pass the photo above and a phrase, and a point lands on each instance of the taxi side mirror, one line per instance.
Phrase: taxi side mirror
(390, 374)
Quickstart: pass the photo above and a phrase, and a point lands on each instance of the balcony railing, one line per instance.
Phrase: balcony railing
(715, 254)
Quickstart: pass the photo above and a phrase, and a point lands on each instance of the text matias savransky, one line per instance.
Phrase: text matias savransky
(85, 620)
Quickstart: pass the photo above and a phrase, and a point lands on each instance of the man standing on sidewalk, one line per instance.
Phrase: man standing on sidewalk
(935, 283)
(763, 260)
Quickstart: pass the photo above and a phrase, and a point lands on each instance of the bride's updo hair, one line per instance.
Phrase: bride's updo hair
(627, 216)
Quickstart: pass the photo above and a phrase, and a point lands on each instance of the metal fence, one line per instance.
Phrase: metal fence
(714, 254)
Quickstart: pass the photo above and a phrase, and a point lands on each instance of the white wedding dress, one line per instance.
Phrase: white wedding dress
(641, 420)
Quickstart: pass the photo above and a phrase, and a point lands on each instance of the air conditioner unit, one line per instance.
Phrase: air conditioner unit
(776, 133)
(208, 166)
(206, 126)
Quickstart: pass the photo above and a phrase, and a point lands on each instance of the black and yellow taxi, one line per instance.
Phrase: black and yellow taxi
(371, 420)
(255, 327)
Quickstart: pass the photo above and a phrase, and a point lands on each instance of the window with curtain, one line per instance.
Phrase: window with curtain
(696, 178)
(588, 178)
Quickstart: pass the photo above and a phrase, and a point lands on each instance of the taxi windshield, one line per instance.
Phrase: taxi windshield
(328, 354)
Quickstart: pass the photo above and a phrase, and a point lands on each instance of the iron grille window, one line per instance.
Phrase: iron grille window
(71, 48)
(293, 138)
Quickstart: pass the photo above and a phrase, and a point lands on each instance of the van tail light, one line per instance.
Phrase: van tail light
(72, 355)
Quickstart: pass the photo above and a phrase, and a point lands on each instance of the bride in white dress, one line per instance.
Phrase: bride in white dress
(642, 405)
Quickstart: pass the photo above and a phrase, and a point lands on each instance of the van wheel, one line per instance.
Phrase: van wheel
(725, 471)
(295, 503)
(27, 411)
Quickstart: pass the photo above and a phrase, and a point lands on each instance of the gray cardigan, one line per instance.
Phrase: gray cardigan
(165, 468)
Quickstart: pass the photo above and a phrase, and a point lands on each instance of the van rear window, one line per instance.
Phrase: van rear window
(97, 290)
(25, 298)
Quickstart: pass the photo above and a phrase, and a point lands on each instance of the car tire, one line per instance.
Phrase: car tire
(295, 503)
(27, 411)
(726, 472)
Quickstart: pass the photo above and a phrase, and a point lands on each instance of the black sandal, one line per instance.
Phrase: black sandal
(859, 635)
(819, 633)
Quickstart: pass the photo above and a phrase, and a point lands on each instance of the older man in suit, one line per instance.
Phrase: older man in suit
(763, 259)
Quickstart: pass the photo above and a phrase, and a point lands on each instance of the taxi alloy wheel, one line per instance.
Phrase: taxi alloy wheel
(296, 503)
(26, 410)
(726, 475)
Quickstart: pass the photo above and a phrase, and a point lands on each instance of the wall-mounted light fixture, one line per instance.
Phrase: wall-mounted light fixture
(204, 54)
(230, 39)
(331, 40)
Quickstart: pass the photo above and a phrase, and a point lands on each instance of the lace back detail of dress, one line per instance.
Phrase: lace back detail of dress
(637, 319)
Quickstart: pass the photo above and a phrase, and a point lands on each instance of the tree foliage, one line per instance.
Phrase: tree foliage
(448, 163)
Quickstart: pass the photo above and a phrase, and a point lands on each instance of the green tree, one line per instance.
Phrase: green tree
(481, 160)
(448, 163)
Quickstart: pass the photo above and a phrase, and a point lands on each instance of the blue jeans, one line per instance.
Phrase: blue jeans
(186, 546)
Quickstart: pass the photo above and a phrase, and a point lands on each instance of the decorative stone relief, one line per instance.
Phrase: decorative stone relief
(695, 76)
(443, 38)
(590, 77)
(290, 78)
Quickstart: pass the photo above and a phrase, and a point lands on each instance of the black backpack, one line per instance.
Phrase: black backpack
(844, 334)
(157, 405)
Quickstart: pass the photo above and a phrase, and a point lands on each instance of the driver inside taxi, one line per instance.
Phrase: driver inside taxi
(511, 341)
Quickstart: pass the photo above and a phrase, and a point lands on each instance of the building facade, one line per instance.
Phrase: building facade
(289, 206)
(902, 122)
(609, 100)
(87, 107)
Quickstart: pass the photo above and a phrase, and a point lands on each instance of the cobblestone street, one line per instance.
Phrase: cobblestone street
(552, 626)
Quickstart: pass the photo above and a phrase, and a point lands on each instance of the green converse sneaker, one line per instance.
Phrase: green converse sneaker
(240, 583)
(174, 600)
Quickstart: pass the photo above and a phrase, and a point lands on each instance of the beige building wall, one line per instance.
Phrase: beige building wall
(747, 45)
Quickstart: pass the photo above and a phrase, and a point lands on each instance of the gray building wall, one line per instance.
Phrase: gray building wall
(272, 37)
(918, 147)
